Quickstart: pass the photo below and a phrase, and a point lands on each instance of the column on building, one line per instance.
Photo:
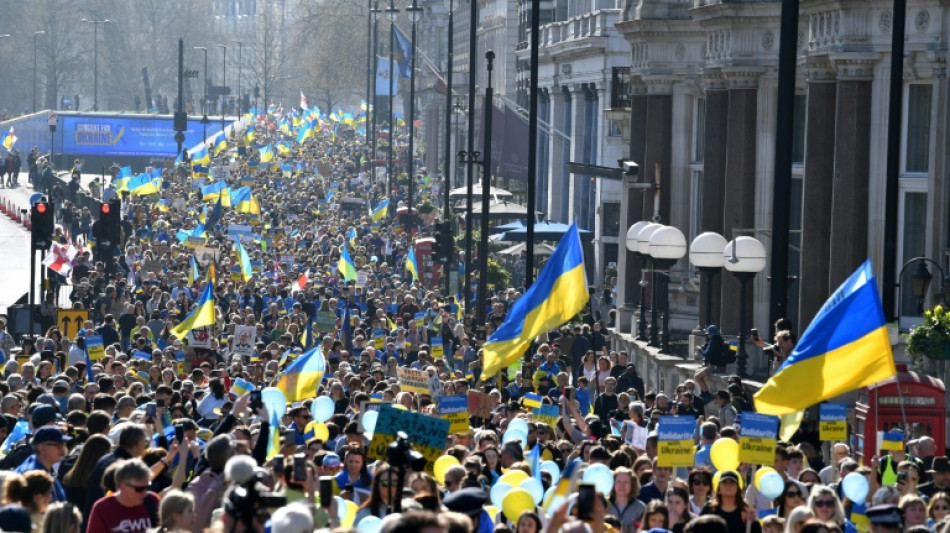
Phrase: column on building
(656, 164)
(556, 149)
(739, 200)
(849, 203)
(714, 177)
(578, 133)
(818, 179)
(631, 212)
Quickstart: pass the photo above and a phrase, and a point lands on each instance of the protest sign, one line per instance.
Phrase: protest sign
(547, 414)
(379, 338)
(326, 322)
(675, 434)
(415, 381)
(95, 348)
(240, 231)
(244, 340)
(479, 404)
(152, 266)
(455, 410)
(437, 349)
(426, 433)
(833, 421)
(200, 337)
(637, 436)
(159, 250)
(757, 436)
(362, 278)
(205, 255)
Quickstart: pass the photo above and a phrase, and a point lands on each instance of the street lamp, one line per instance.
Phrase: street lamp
(204, 101)
(374, 14)
(643, 247)
(631, 242)
(920, 284)
(744, 257)
(240, 97)
(415, 12)
(705, 253)
(667, 245)
(458, 111)
(391, 14)
(35, 35)
(95, 84)
(224, 82)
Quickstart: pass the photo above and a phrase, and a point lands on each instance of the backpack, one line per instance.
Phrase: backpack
(16, 456)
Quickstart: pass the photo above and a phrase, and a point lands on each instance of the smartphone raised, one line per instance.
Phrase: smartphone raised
(300, 467)
(255, 400)
(326, 491)
(179, 433)
(754, 333)
(586, 492)
(160, 402)
(151, 411)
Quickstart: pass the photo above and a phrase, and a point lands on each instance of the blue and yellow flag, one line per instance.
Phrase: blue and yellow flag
(273, 436)
(220, 146)
(531, 399)
(193, 272)
(201, 156)
(306, 132)
(213, 192)
(346, 265)
(306, 338)
(844, 348)
(143, 185)
(411, 264)
(301, 379)
(559, 293)
(202, 315)
(351, 236)
(121, 181)
(244, 260)
(249, 134)
(216, 213)
(282, 148)
(267, 155)
(382, 208)
(210, 274)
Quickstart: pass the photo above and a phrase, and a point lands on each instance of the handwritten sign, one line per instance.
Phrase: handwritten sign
(244, 340)
(479, 404)
(547, 414)
(206, 254)
(675, 435)
(95, 348)
(455, 410)
(192, 241)
(153, 267)
(326, 322)
(833, 421)
(427, 434)
(415, 381)
(757, 437)
(362, 278)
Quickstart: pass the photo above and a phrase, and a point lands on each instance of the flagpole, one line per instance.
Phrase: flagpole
(447, 168)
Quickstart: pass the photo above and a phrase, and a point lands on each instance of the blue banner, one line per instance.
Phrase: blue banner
(675, 435)
(143, 136)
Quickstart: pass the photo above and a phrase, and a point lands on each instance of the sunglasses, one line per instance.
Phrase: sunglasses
(387, 482)
(793, 494)
(700, 482)
(137, 488)
(824, 503)
(941, 508)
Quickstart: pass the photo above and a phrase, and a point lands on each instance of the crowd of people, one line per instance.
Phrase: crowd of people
(164, 433)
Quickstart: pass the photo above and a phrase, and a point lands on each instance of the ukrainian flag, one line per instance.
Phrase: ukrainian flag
(201, 156)
(242, 387)
(382, 208)
(283, 148)
(412, 265)
(213, 191)
(346, 265)
(844, 348)
(301, 378)
(221, 146)
(273, 436)
(892, 441)
(559, 293)
(9, 140)
(201, 315)
(122, 179)
(305, 133)
(249, 134)
(532, 399)
(193, 272)
(306, 338)
(267, 154)
(244, 260)
(163, 205)
(351, 236)
(210, 275)
(142, 185)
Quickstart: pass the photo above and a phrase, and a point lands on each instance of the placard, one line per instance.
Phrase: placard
(833, 423)
(420, 320)
(455, 410)
(675, 435)
(194, 242)
(206, 254)
(244, 340)
(479, 404)
(240, 231)
(637, 436)
(326, 322)
(547, 414)
(200, 337)
(415, 381)
(379, 338)
(159, 250)
(362, 278)
(426, 433)
(757, 437)
(95, 348)
(155, 267)
(438, 352)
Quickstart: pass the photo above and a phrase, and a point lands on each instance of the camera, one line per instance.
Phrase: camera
(630, 168)
(401, 455)
(249, 503)
(770, 350)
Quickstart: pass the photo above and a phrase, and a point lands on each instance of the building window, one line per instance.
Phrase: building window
(798, 129)
(699, 131)
(613, 128)
(913, 217)
(917, 138)
(610, 219)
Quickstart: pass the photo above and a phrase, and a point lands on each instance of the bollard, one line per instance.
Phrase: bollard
(27, 223)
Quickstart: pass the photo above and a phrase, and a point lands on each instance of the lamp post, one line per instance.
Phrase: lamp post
(643, 247)
(95, 76)
(374, 13)
(204, 129)
(369, 64)
(240, 98)
(705, 253)
(458, 111)
(447, 166)
(631, 242)
(667, 245)
(391, 14)
(486, 202)
(744, 257)
(920, 284)
(415, 12)
(35, 35)
(204, 101)
(470, 159)
(224, 82)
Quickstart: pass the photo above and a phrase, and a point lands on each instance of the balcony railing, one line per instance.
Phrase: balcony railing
(620, 88)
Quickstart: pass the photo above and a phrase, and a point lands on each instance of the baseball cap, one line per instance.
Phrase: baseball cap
(44, 414)
(331, 460)
(49, 435)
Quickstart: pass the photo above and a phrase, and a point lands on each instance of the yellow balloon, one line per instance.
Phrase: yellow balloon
(492, 512)
(320, 430)
(399, 406)
(761, 472)
(351, 510)
(516, 503)
(725, 454)
(514, 477)
(442, 464)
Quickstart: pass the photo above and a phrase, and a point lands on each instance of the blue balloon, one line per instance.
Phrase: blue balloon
(369, 421)
(772, 485)
(551, 468)
(534, 487)
(369, 524)
(498, 493)
(855, 487)
(518, 423)
(601, 476)
(323, 408)
(341, 509)
(515, 434)
(275, 401)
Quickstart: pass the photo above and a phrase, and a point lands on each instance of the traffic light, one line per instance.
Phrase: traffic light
(443, 241)
(109, 228)
(41, 218)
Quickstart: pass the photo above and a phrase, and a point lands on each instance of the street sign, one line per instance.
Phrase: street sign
(70, 321)
(52, 119)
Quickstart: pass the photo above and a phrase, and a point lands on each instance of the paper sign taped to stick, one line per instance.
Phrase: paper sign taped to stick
(479, 404)
(455, 410)
(414, 381)
(833, 421)
(675, 435)
(427, 434)
(757, 437)
(95, 348)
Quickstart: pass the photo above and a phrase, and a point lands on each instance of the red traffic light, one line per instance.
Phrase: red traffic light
(41, 208)
(105, 209)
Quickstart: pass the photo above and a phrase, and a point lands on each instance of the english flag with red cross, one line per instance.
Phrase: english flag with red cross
(60, 258)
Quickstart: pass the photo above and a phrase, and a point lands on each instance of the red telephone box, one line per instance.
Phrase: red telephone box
(429, 272)
(909, 401)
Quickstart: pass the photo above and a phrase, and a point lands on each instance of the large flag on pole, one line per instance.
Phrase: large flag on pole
(384, 69)
(846, 347)
(201, 315)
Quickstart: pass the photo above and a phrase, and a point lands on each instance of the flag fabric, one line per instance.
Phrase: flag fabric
(384, 70)
(193, 271)
(273, 436)
(143, 185)
(220, 146)
(403, 53)
(9, 139)
(346, 331)
(380, 212)
(201, 315)
(267, 154)
(346, 265)
(534, 461)
(249, 205)
(301, 282)
(201, 156)
(213, 192)
(303, 101)
(846, 347)
(559, 293)
(60, 258)
(122, 178)
(892, 441)
(301, 378)
(351, 236)
(306, 132)
(306, 338)
(411, 264)
(242, 387)
(532, 399)
(244, 260)
(216, 213)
